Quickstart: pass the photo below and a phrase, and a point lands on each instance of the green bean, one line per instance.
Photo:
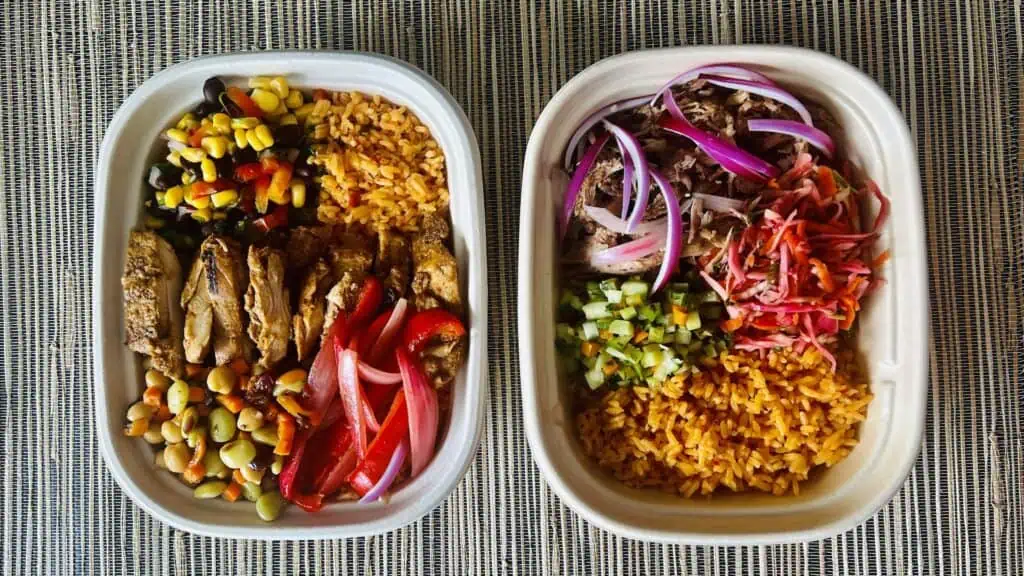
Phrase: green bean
(269, 505)
(210, 489)
(222, 425)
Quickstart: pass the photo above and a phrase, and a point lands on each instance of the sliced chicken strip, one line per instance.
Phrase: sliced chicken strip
(268, 305)
(151, 284)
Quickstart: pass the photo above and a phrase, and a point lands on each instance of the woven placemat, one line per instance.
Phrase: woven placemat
(954, 69)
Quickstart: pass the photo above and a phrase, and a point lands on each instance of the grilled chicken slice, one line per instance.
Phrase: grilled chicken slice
(306, 245)
(350, 263)
(268, 305)
(442, 361)
(435, 274)
(393, 259)
(212, 301)
(151, 284)
(308, 322)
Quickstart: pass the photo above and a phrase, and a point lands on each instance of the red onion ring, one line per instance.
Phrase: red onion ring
(762, 89)
(594, 119)
(387, 334)
(674, 239)
(390, 473)
(815, 137)
(376, 376)
(605, 218)
(642, 171)
(720, 203)
(632, 250)
(730, 156)
(576, 183)
(728, 70)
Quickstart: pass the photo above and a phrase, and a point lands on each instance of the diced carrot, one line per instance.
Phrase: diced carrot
(236, 476)
(678, 315)
(240, 367)
(233, 403)
(732, 324)
(232, 492)
(640, 336)
(610, 368)
(196, 394)
(152, 396)
(604, 335)
(291, 405)
(194, 474)
(285, 434)
(590, 349)
(821, 271)
(162, 413)
(826, 182)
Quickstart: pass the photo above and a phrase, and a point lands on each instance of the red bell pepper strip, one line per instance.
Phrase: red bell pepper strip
(288, 479)
(240, 98)
(269, 165)
(276, 219)
(351, 394)
(248, 172)
(394, 429)
(261, 187)
(309, 502)
(337, 474)
(329, 447)
(371, 295)
(427, 324)
(363, 341)
(379, 397)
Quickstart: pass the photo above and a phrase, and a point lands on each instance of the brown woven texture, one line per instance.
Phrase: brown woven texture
(953, 68)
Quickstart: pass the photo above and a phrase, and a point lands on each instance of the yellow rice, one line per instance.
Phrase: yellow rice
(741, 423)
(383, 168)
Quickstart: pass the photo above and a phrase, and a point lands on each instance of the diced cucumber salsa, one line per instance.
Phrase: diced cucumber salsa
(617, 333)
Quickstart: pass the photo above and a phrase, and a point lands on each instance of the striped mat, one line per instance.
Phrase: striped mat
(954, 70)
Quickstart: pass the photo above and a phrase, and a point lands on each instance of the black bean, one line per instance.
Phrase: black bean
(302, 167)
(163, 175)
(212, 89)
(230, 107)
(205, 108)
(225, 167)
(245, 156)
(288, 136)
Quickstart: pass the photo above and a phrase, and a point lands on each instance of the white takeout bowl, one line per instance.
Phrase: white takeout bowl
(894, 328)
(130, 144)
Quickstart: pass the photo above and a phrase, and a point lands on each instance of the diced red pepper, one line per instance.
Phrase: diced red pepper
(201, 189)
(269, 164)
(276, 219)
(279, 182)
(261, 188)
(428, 324)
(248, 172)
(195, 138)
(240, 98)
(371, 295)
(394, 429)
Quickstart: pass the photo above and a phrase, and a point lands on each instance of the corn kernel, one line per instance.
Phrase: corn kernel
(205, 122)
(174, 196)
(193, 155)
(187, 122)
(224, 198)
(160, 197)
(279, 84)
(263, 133)
(248, 122)
(222, 122)
(288, 119)
(298, 193)
(259, 82)
(294, 99)
(187, 178)
(174, 157)
(265, 99)
(177, 135)
(302, 112)
(215, 146)
(202, 216)
(198, 202)
(281, 110)
(254, 140)
(240, 139)
(209, 170)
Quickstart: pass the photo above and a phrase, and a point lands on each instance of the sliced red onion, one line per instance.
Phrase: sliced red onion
(720, 203)
(605, 218)
(630, 251)
(594, 119)
(375, 376)
(760, 88)
(627, 182)
(813, 337)
(576, 183)
(390, 330)
(735, 266)
(423, 411)
(815, 137)
(731, 157)
(674, 239)
(390, 473)
(642, 171)
(718, 288)
(728, 70)
(883, 210)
